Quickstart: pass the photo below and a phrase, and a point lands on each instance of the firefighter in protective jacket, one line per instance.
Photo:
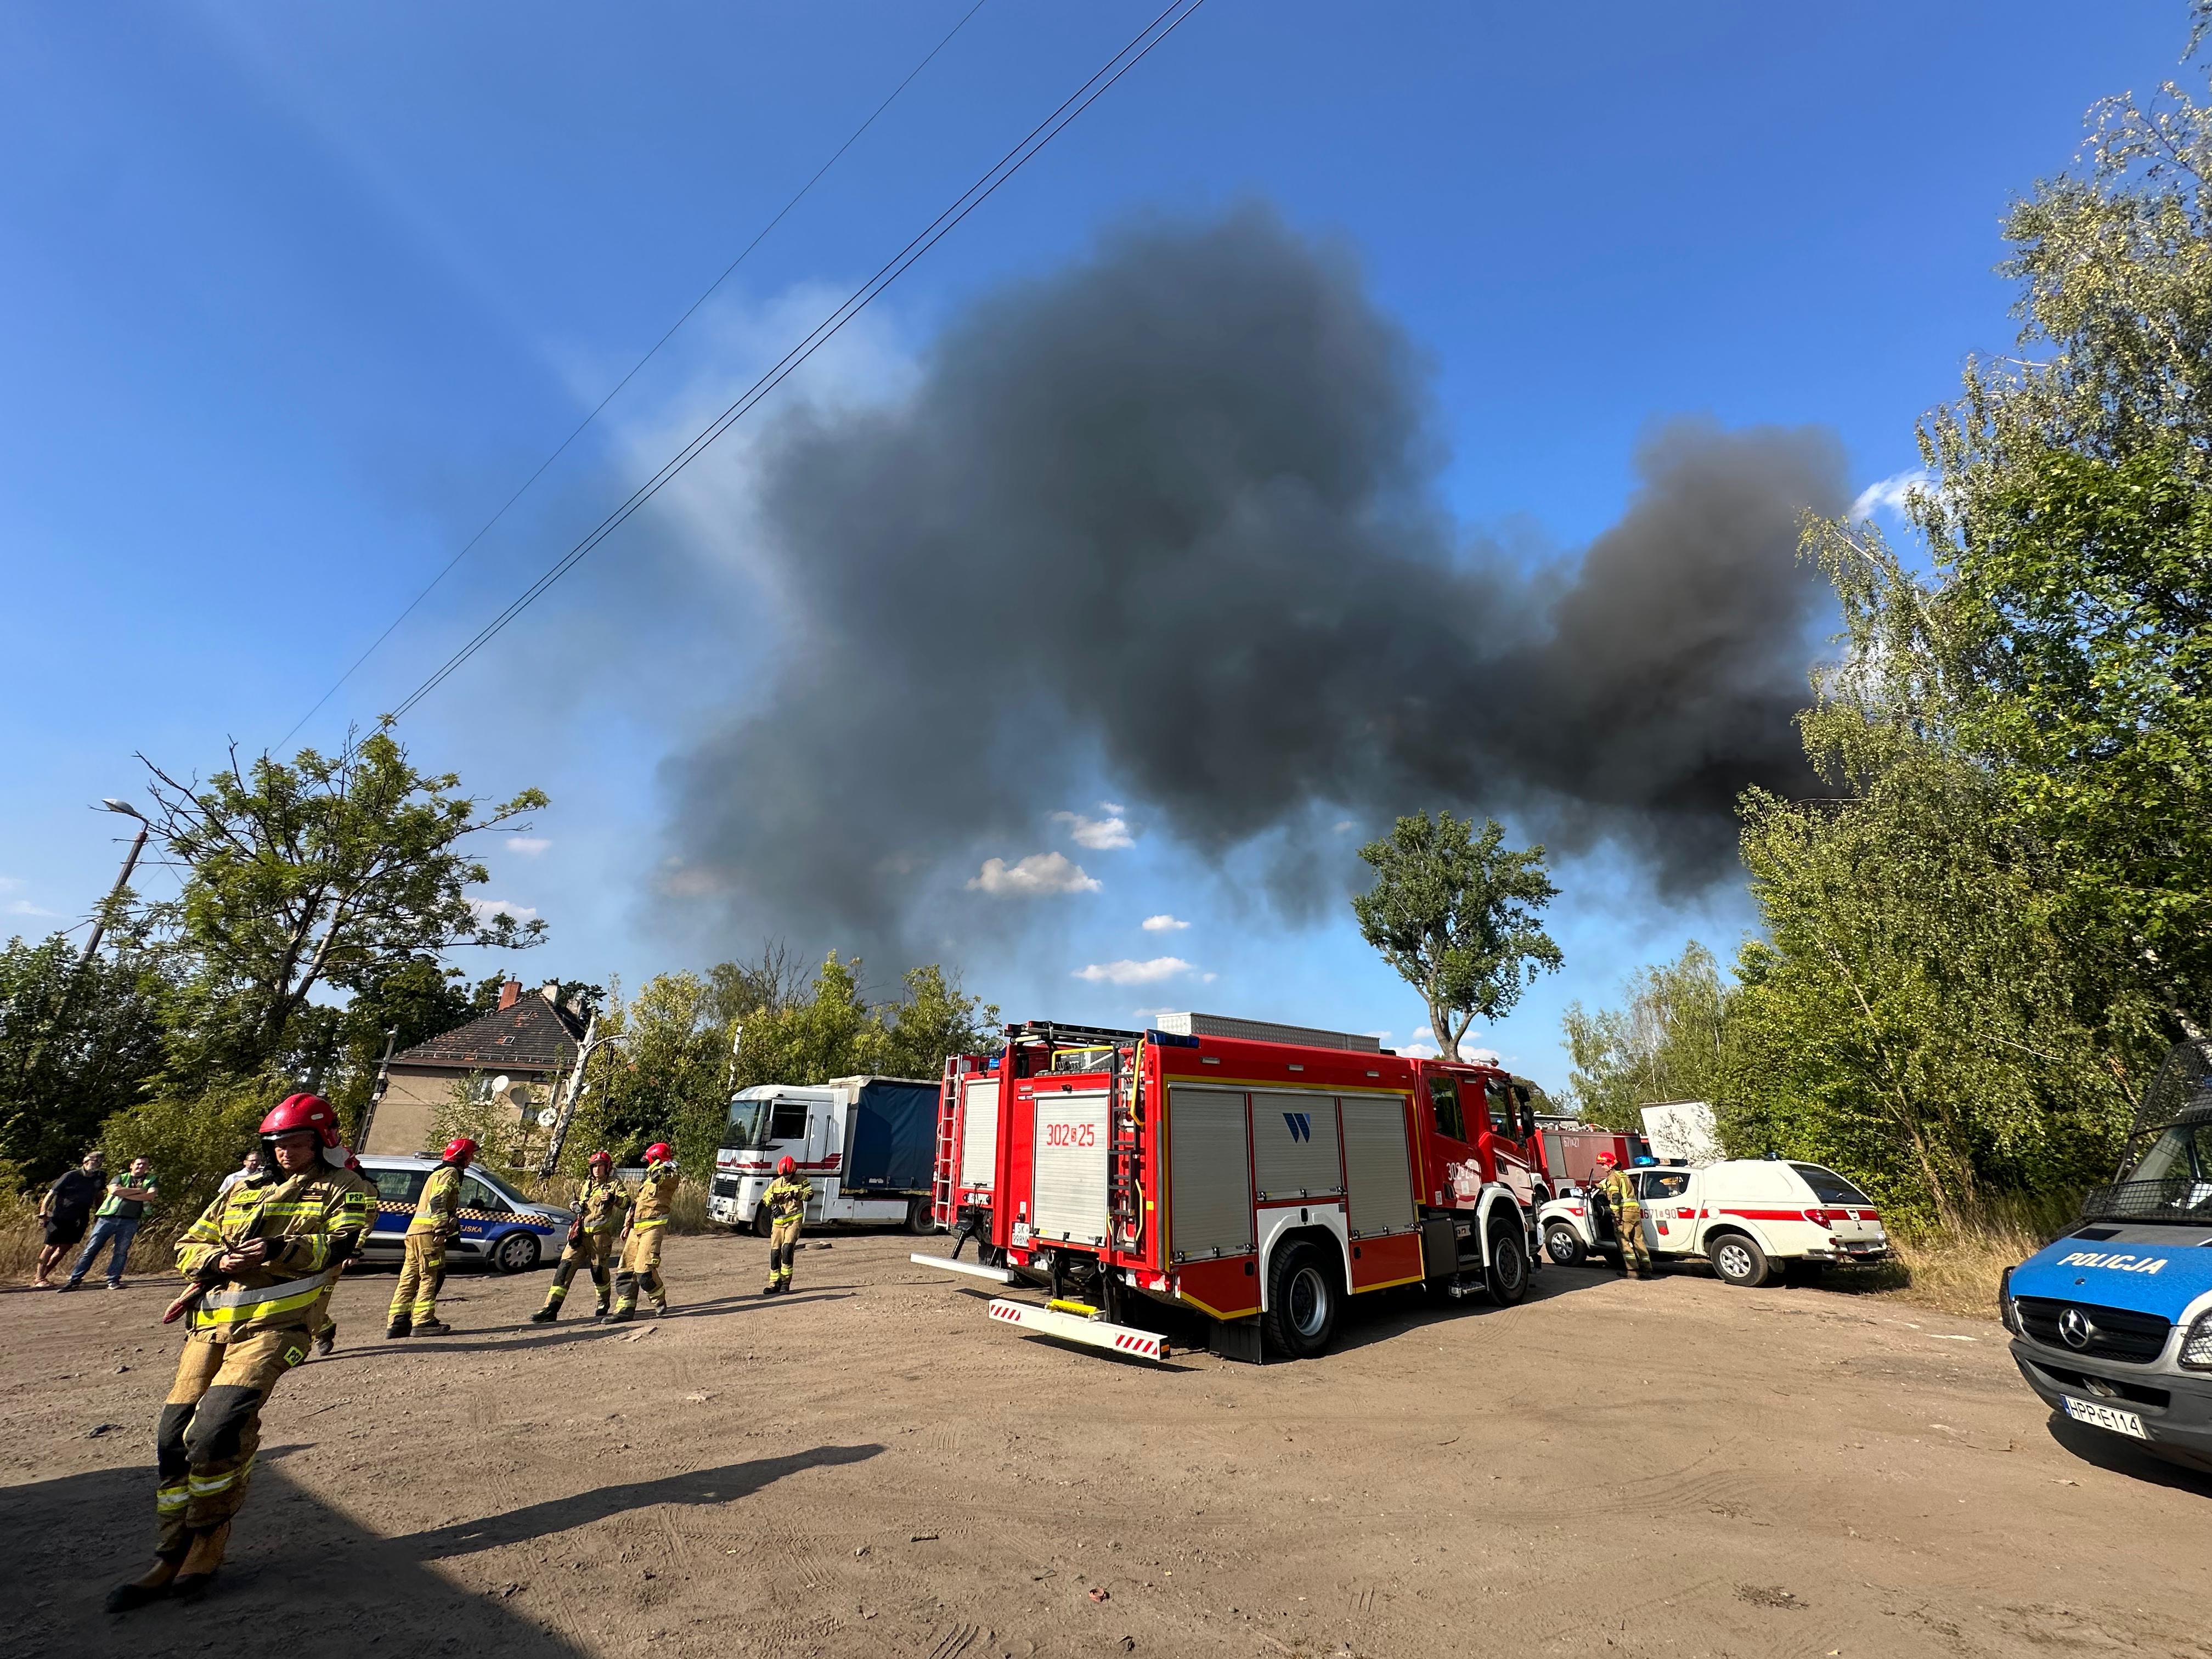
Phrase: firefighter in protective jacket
(599, 1211)
(435, 1224)
(648, 1220)
(257, 1260)
(326, 1328)
(1618, 1188)
(785, 1202)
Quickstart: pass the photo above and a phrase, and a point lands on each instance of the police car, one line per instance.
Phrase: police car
(498, 1224)
(1752, 1219)
(2111, 1325)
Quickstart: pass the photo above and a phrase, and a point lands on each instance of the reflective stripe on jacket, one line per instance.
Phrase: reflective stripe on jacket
(1620, 1190)
(301, 1218)
(440, 1201)
(600, 1207)
(786, 1197)
(656, 1196)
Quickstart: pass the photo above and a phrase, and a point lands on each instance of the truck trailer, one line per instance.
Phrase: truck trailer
(866, 1144)
(1258, 1179)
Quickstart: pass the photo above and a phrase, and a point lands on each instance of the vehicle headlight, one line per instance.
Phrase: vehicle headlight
(2005, 1311)
(2196, 1346)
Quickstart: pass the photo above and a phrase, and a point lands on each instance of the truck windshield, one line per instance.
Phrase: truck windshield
(2167, 1176)
(758, 1123)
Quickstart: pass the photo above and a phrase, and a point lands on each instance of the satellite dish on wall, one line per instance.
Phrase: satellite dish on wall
(549, 1116)
(499, 1084)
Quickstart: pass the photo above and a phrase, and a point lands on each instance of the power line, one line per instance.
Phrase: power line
(1139, 48)
(597, 408)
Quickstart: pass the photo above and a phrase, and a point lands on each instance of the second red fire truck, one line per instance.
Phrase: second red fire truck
(1259, 1176)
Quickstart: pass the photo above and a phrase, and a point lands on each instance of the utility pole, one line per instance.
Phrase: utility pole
(376, 1090)
(130, 863)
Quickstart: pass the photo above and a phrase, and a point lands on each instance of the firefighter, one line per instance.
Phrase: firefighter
(592, 1235)
(1618, 1188)
(257, 1260)
(325, 1327)
(786, 1199)
(648, 1220)
(435, 1224)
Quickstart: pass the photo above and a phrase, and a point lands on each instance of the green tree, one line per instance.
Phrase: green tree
(1455, 913)
(78, 1038)
(328, 873)
(1667, 1042)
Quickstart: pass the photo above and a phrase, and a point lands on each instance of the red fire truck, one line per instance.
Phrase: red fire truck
(1257, 1175)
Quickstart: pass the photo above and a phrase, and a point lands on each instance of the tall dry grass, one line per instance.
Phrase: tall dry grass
(1954, 1267)
(22, 1236)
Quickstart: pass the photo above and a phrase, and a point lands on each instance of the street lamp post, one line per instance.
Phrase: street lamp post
(130, 863)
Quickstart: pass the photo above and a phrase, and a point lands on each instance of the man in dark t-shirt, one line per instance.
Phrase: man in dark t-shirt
(115, 1223)
(65, 1210)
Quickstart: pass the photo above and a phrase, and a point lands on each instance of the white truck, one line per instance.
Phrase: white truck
(866, 1144)
(1747, 1217)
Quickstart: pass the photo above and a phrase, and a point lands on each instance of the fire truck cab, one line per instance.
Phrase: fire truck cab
(1257, 1175)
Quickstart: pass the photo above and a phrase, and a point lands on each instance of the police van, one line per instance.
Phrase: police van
(499, 1226)
(2111, 1325)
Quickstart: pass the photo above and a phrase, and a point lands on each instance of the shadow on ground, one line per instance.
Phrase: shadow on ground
(303, 1581)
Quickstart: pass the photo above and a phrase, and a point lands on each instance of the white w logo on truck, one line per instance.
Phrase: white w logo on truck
(1301, 1125)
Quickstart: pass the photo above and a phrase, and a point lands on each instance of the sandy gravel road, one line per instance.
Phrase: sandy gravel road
(867, 1468)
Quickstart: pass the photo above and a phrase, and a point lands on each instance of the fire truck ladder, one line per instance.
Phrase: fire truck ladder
(1124, 1153)
(944, 1181)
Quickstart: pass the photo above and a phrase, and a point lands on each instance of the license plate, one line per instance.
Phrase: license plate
(2119, 1422)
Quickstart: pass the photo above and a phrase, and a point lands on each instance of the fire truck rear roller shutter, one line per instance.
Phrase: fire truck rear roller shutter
(1294, 1145)
(1210, 1181)
(1068, 1196)
(978, 1135)
(1375, 1157)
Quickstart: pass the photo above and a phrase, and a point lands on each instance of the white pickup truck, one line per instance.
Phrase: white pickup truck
(1747, 1217)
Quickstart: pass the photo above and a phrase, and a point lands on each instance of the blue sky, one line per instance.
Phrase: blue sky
(297, 297)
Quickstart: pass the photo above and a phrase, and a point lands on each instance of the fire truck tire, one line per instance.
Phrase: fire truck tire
(1506, 1277)
(1563, 1244)
(1738, 1260)
(1303, 1299)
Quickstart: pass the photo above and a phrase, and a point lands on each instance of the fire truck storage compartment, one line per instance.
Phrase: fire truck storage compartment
(979, 1132)
(1068, 1186)
(1209, 1179)
(1294, 1145)
(1381, 1169)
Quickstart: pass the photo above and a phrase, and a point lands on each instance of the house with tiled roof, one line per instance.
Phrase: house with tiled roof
(531, 1039)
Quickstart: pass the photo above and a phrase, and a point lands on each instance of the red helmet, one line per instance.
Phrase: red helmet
(298, 1112)
(597, 1158)
(460, 1150)
(787, 1166)
(660, 1152)
(1606, 1158)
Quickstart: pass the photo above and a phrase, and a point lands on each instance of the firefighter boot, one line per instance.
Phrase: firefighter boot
(402, 1325)
(197, 1571)
(623, 1313)
(149, 1586)
(432, 1327)
(325, 1340)
(546, 1315)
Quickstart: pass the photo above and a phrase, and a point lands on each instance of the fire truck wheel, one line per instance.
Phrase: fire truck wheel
(1506, 1277)
(1739, 1260)
(1563, 1244)
(1302, 1300)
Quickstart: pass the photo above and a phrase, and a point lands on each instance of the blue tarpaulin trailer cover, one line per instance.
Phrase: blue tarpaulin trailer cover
(893, 1134)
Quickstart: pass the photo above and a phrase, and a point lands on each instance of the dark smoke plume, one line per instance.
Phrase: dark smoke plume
(1168, 517)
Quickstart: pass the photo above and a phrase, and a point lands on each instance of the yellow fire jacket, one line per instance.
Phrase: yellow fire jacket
(786, 1197)
(656, 1196)
(306, 1218)
(434, 1211)
(600, 1206)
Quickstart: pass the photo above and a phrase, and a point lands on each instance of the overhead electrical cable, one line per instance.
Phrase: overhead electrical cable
(977, 194)
(598, 408)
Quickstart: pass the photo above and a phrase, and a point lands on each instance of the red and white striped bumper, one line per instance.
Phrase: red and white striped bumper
(1073, 1327)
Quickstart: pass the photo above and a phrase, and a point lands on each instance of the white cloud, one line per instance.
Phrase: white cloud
(25, 907)
(1126, 972)
(1163, 923)
(485, 909)
(1100, 835)
(1423, 1045)
(1344, 826)
(529, 846)
(1208, 979)
(1148, 1015)
(1894, 494)
(1038, 876)
(1114, 807)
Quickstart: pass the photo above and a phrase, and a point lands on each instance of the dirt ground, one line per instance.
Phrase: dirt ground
(869, 1468)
